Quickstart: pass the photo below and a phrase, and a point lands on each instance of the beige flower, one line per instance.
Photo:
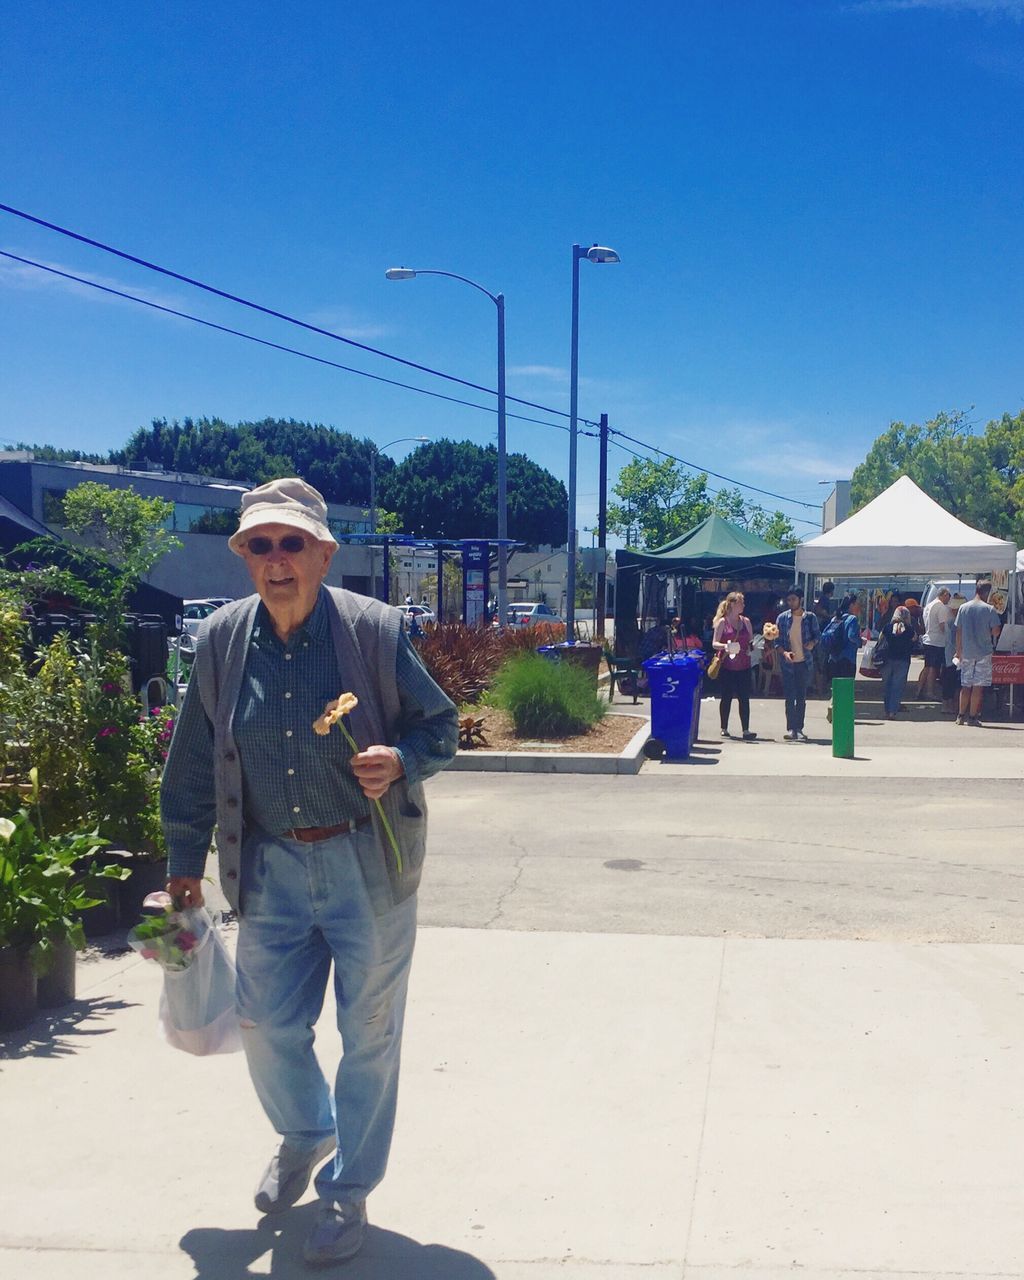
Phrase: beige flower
(340, 706)
(770, 631)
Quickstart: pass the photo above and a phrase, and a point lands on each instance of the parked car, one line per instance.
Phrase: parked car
(195, 611)
(419, 612)
(526, 613)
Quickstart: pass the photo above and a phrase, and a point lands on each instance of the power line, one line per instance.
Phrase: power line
(265, 342)
(336, 337)
(728, 479)
(268, 311)
(713, 492)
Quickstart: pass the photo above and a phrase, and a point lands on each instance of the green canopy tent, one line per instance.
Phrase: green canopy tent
(715, 548)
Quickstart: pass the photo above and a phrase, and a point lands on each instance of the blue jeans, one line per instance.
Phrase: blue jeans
(894, 681)
(795, 678)
(304, 905)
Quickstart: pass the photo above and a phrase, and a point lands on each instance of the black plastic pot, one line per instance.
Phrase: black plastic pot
(57, 985)
(146, 877)
(105, 918)
(17, 988)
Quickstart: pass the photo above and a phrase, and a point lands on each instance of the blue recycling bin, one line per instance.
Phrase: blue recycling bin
(675, 681)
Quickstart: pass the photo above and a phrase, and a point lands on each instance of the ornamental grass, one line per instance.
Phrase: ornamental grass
(546, 699)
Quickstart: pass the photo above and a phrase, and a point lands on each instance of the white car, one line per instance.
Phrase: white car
(527, 613)
(420, 612)
(195, 611)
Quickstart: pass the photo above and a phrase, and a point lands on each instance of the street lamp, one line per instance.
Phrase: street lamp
(374, 451)
(598, 254)
(407, 273)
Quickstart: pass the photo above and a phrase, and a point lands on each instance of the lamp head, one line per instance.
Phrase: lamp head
(400, 273)
(601, 253)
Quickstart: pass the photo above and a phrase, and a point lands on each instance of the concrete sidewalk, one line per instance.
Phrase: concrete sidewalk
(573, 1105)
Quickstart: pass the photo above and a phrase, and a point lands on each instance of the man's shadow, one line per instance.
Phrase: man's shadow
(221, 1254)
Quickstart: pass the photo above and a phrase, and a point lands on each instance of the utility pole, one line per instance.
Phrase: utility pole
(602, 528)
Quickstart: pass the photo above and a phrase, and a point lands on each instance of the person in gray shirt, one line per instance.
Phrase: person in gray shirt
(977, 629)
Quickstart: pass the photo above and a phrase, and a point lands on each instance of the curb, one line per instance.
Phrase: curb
(628, 761)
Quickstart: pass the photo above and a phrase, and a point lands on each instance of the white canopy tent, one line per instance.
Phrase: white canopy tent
(903, 531)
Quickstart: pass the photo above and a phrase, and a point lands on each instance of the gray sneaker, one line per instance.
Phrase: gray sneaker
(801, 736)
(338, 1233)
(288, 1174)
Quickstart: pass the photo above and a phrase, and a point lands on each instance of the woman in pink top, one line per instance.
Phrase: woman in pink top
(732, 638)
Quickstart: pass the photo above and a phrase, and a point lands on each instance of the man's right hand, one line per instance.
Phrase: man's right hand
(185, 891)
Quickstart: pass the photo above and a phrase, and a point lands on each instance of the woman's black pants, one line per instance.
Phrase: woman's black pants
(734, 684)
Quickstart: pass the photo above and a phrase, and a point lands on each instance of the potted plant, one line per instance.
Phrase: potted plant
(42, 896)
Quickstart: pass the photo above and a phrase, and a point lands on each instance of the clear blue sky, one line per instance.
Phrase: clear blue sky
(817, 204)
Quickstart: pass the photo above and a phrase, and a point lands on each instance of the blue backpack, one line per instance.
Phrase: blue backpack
(833, 638)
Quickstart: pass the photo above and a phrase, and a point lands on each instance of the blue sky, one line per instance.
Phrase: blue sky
(817, 205)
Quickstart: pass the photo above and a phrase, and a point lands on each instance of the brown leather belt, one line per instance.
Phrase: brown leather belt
(309, 835)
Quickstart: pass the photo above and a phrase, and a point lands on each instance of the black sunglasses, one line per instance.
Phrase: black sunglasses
(292, 543)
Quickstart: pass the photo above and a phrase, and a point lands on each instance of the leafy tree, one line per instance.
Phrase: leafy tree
(659, 500)
(448, 489)
(978, 478)
(127, 529)
(335, 462)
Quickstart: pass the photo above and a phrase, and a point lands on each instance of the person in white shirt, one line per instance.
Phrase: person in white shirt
(936, 620)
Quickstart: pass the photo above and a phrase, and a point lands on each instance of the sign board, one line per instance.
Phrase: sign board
(1008, 668)
(475, 574)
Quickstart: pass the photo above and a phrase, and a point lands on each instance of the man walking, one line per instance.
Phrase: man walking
(977, 630)
(798, 636)
(305, 857)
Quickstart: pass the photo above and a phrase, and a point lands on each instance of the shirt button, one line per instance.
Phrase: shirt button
(288, 657)
(305, 644)
(295, 809)
(287, 733)
(290, 772)
(288, 695)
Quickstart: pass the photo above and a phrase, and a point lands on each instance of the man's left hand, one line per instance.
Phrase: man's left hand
(375, 769)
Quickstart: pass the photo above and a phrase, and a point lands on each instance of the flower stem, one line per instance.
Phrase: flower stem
(380, 808)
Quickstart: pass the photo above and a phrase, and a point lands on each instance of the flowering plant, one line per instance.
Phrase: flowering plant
(333, 714)
(770, 631)
(164, 936)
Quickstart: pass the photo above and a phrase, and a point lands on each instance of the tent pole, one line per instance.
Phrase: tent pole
(1012, 577)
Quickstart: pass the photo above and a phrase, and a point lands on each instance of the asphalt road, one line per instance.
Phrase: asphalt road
(699, 855)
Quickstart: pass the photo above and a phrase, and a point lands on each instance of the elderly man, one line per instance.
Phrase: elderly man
(304, 856)
(937, 616)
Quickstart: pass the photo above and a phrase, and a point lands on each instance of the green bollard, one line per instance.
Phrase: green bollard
(842, 717)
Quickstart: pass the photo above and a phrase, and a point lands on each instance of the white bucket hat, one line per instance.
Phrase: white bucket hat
(289, 501)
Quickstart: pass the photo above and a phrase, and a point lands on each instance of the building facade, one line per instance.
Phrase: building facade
(205, 514)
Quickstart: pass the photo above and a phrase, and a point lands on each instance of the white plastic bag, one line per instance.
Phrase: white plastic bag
(197, 1005)
(867, 662)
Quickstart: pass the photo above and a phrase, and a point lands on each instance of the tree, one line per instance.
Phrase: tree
(660, 500)
(335, 462)
(128, 530)
(448, 489)
(979, 479)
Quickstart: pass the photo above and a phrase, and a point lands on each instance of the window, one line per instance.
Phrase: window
(190, 517)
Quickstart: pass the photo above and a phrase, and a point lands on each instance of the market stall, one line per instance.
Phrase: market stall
(715, 548)
(904, 531)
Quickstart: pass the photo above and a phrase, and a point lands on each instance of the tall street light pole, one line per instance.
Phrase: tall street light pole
(374, 451)
(599, 254)
(408, 273)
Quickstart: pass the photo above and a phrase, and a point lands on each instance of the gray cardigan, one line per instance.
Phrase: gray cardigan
(365, 634)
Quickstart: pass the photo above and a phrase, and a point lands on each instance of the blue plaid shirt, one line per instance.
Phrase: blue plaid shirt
(292, 777)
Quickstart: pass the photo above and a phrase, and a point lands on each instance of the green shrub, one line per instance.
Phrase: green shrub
(546, 699)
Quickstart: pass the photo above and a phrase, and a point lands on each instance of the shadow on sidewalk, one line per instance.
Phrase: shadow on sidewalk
(227, 1255)
(50, 1034)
